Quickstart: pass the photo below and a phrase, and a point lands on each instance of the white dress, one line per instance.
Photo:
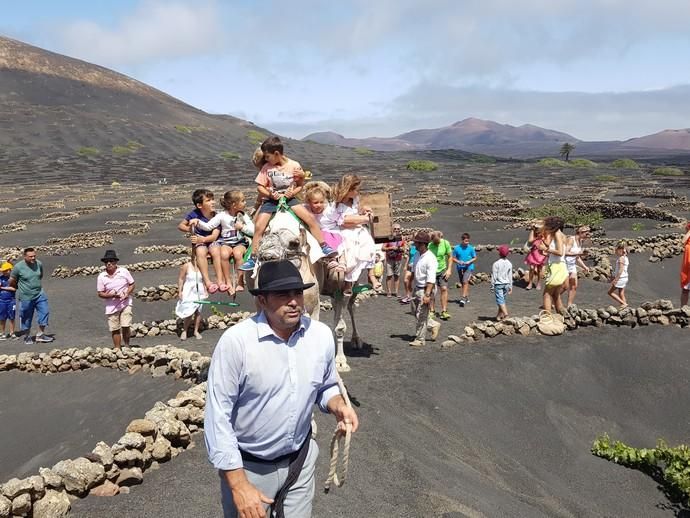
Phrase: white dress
(359, 249)
(193, 290)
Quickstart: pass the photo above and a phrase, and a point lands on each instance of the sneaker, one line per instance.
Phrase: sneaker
(249, 265)
(327, 251)
(28, 340)
(44, 339)
(445, 315)
(461, 302)
(467, 301)
(4, 336)
(405, 300)
(416, 343)
(183, 335)
(13, 336)
(197, 335)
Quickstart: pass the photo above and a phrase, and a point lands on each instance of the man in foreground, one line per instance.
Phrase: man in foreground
(27, 276)
(265, 375)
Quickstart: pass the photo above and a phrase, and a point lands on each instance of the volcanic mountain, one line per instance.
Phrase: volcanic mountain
(56, 106)
(488, 137)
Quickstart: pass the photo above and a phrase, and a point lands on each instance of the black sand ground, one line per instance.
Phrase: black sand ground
(498, 429)
(45, 419)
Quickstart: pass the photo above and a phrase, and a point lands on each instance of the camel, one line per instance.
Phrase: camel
(285, 238)
(331, 282)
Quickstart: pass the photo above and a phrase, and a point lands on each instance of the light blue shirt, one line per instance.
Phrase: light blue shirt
(261, 389)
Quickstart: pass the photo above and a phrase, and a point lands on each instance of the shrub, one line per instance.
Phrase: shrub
(482, 159)
(606, 178)
(184, 129)
(625, 163)
(229, 155)
(122, 150)
(422, 165)
(667, 171)
(88, 151)
(669, 466)
(636, 227)
(569, 214)
(364, 151)
(256, 137)
(583, 162)
(552, 162)
(134, 145)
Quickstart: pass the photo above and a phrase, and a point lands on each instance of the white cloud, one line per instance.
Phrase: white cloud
(156, 30)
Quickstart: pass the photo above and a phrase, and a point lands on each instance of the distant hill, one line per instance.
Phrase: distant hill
(491, 138)
(56, 106)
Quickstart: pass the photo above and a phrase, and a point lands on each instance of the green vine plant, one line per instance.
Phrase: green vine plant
(669, 467)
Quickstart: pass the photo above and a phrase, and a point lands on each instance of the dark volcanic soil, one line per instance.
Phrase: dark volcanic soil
(498, 429)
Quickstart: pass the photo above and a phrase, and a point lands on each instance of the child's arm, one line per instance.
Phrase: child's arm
(619, 269)
(210, 224)
(582, 263)
(203, 240)
(510, 287)
(8, 288)
(247, 227)
(184, 226)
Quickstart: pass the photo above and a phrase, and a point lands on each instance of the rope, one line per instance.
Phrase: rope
(339, 436)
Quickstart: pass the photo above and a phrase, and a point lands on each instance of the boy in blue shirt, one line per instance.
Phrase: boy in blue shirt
(8, 307)
(204, 242)
(464, 257)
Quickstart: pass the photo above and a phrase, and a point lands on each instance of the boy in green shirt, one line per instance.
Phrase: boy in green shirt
(443, 251)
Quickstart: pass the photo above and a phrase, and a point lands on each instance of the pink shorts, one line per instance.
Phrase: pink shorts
(332, 240)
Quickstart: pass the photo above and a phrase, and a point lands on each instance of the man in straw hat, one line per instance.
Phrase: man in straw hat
(265, 375)
(115, 285)
(424, 281)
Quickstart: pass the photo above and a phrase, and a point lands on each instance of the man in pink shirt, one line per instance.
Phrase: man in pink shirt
(116, 285)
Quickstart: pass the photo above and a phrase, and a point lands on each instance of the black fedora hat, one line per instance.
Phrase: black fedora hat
(110, 255)
(279, 276)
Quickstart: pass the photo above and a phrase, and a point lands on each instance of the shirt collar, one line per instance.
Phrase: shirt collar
(264, 329)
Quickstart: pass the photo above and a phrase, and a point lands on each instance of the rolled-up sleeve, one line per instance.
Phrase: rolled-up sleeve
(222, 392)
(329, 388)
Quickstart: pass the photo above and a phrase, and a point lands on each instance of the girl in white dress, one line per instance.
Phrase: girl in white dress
(347, 218)
(620, 276)
(190, 289)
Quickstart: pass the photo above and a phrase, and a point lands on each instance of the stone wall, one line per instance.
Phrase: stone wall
(164, 432)
(659, 312)
(64, 272)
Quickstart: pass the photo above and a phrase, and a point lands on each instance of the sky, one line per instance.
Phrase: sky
(596, 69)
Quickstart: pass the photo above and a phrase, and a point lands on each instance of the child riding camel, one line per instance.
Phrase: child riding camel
(281, 177)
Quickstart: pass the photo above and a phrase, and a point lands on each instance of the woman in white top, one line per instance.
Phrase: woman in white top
(554, 248)
(619, 280)
(235, 229)
(574, 252)
(347, 218)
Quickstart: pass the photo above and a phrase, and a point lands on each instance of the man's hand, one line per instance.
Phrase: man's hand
(193, 222)
(344, 415)
(446, 275)
(426, 299)
(124, 294)
(249, 501)
(195, 239)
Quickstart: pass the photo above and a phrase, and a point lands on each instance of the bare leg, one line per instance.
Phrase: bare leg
(225, 254)
(530, 277)
(396, 285)
(2, 325)
(261, 224)
(684, 296)
(621, 294)
(202, 263)
(465, 290)
(117, 339)
(612, 293)
(238, 255)
(572, 289)
(390, 285)
(556, 294)
(197, 323)
(217, 262)
(444, 298)
(125, 336)
(539, 270)
(546, 300)
(309, 220)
